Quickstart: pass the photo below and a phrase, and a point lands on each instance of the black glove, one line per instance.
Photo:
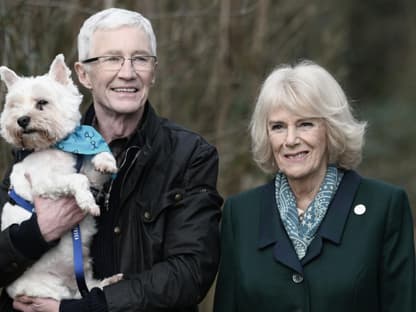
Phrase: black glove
(94, 301)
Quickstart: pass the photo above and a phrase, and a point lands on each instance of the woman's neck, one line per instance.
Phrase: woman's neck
(305, 191)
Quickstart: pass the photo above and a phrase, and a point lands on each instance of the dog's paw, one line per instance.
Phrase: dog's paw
(89, 206)
(111, 280)
(94, 210)
(104, 163)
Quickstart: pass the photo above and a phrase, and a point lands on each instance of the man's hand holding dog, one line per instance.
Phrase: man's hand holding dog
(56, 217)
(32, 304)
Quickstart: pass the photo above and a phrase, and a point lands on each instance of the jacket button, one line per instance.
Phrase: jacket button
(297, 278)
(147, 215)
(117, 230)
(178, 196)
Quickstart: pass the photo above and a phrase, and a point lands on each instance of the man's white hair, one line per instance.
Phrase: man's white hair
(112, 18)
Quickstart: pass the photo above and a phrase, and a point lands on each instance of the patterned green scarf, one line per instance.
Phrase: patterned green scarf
(301, 233)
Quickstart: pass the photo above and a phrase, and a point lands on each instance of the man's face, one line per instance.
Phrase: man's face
(123, 91)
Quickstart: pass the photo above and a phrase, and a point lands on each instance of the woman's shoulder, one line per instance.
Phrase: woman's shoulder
(380, 185)
(252, 193)
(245, 206)
(380, 191)
(249, 201)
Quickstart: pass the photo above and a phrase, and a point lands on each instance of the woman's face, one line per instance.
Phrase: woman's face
(299, 145)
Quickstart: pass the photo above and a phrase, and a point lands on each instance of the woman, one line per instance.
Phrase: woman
(319, 237)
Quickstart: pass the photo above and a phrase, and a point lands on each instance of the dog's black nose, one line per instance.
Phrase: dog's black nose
(23, 121)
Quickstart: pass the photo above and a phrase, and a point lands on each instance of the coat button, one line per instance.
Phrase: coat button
(297, 278)
(178, 196)
(117, 230)
(147, 215)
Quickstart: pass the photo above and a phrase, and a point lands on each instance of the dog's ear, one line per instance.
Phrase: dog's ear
(8, 76)
(59, 71)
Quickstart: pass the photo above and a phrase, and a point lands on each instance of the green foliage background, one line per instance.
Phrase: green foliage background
(214, 54)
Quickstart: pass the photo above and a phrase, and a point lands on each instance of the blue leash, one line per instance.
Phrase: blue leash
(77, 248)
(78, 263)
(76, 236)
(20, 201)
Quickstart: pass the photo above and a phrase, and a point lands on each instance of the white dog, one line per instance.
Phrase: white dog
(39, 113)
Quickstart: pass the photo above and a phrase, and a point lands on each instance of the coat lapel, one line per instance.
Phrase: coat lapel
(272, 231)
(333, 224)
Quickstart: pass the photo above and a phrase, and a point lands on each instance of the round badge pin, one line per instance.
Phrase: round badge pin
(359, 209)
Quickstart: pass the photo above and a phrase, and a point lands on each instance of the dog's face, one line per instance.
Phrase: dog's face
(39, 111)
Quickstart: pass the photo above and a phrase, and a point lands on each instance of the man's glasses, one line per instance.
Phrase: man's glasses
(115, 62)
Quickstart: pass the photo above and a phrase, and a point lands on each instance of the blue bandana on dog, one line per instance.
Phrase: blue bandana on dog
(85, 140)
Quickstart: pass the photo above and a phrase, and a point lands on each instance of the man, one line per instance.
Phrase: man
(159, 217)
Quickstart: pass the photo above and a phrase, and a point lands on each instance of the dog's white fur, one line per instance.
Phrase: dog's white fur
(51, 102)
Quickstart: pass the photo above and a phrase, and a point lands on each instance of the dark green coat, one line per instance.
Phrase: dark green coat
(355, 263)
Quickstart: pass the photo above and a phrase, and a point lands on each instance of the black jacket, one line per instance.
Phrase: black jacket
(161, 225)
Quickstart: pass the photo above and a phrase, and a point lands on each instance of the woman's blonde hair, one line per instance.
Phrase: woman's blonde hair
(308, 90)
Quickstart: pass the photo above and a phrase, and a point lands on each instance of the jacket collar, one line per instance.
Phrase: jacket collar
(272, 231)
(146, 129)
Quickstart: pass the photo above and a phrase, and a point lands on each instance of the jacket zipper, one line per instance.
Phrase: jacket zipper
(107, 195)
